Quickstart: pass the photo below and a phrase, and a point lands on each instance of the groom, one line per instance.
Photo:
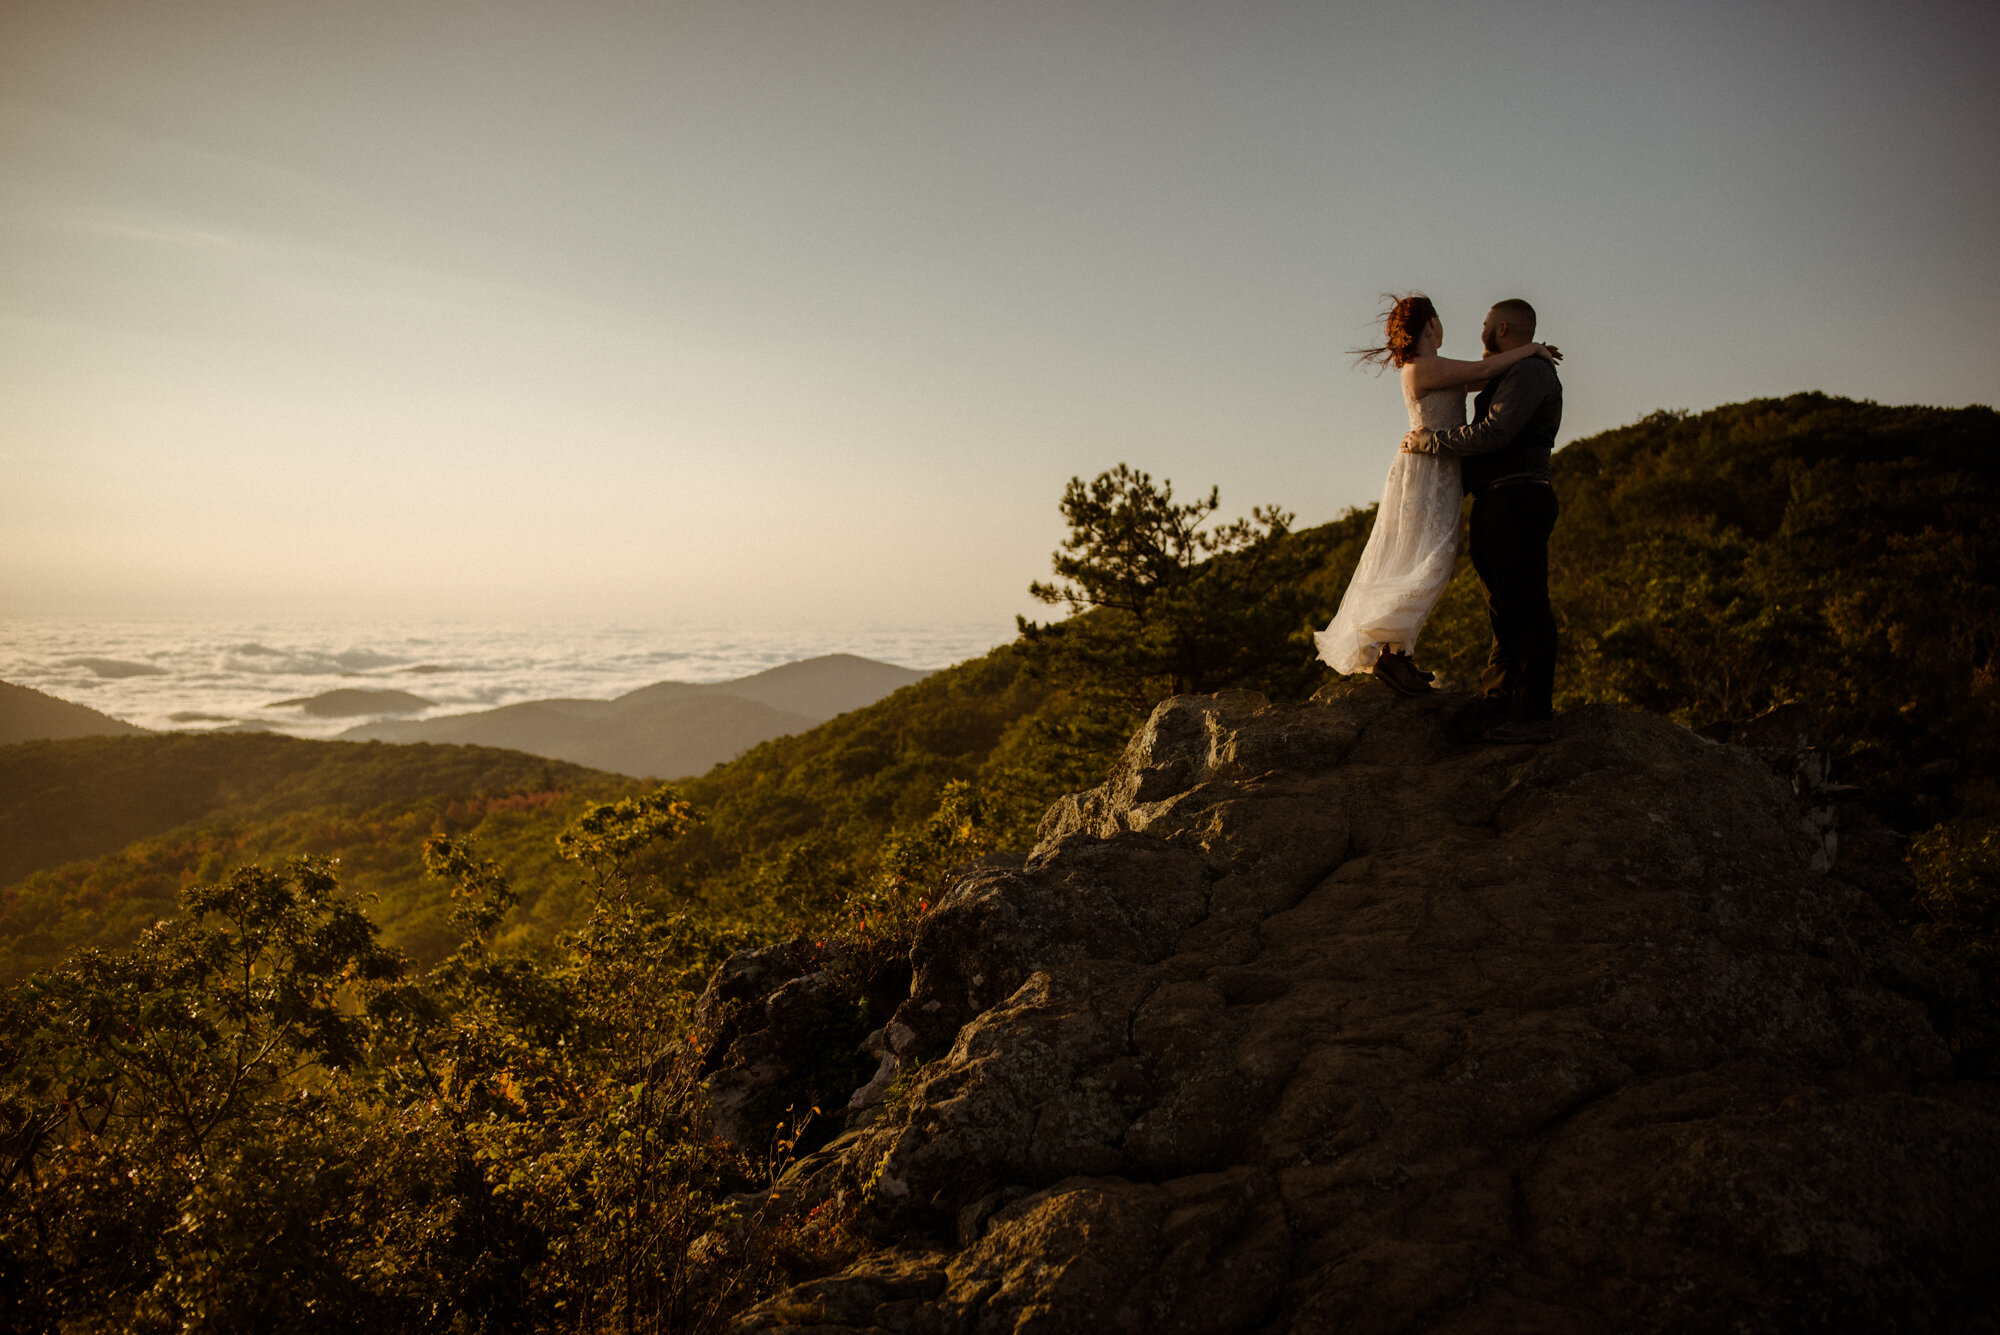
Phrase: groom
(1505, 452)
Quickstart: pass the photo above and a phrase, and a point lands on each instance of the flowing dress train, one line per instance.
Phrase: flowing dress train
(1411, 550)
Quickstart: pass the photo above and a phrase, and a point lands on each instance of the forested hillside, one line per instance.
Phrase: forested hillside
(61, 800)
(257, 1116)
(98, 835)
(1846, 554)
(377, 852)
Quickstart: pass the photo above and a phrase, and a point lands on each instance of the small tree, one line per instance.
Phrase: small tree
(1162, 602)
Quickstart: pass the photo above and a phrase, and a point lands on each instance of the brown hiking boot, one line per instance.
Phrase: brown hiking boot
(1401, 674)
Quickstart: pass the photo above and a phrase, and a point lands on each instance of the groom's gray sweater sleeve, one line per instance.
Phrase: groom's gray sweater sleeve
(1526, 387)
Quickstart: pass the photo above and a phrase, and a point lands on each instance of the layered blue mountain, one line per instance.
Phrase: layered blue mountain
(670, 729)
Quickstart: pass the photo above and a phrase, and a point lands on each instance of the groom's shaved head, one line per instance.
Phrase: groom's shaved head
(1509, 324)
(1519, 315)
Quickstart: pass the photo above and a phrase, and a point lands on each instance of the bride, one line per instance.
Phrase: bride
(1414, 544)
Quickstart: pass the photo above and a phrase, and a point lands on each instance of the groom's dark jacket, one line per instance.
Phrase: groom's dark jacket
(1513, 428)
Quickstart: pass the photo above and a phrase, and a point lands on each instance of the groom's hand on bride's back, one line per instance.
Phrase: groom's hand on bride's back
(1417, 442)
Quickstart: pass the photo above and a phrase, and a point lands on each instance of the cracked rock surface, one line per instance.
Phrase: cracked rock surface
(1314, 1018)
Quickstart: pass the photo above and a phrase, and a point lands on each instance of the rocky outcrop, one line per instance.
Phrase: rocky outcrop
(1315, 1018)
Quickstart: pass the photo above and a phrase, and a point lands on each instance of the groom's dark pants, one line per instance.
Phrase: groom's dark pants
(1510, 550)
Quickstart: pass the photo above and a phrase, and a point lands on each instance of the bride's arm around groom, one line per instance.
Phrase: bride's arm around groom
(1503, 412)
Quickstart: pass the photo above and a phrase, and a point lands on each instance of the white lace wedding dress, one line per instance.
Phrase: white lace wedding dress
(1410, 552)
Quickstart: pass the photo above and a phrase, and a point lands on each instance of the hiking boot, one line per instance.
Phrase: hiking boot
(1401, 674)
(1524, 732)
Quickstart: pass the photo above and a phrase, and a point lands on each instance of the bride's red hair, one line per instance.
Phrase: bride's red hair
(1403, 323)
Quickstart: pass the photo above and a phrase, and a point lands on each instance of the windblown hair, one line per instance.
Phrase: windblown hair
(1403, 323)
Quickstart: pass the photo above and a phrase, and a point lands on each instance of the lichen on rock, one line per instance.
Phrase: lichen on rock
(1317, 1017)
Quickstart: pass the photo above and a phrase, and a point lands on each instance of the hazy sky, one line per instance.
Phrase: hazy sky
(754, 311)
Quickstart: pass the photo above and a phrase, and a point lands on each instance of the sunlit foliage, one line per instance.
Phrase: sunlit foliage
(259, 1118)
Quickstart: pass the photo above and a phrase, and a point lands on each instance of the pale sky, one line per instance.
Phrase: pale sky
(752, 311)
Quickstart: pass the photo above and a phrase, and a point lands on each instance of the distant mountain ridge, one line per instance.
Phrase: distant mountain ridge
(670, 729)
(27, 715)
(349, 701)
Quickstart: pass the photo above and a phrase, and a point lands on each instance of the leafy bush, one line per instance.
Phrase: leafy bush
(260, 1117)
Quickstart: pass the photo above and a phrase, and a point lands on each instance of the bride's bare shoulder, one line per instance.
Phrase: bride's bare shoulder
(1430, 373)
(1421, 376)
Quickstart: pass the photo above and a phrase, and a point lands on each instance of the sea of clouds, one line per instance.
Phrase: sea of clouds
(191, 676)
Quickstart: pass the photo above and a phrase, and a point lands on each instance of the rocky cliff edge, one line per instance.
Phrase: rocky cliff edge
(1319, 1018)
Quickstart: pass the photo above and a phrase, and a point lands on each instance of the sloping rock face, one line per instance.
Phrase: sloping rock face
(1313, 1018)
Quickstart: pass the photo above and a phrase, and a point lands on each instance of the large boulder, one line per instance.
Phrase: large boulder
(1316, 1018)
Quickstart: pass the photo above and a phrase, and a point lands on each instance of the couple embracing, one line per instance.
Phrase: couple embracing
(1501, 459)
